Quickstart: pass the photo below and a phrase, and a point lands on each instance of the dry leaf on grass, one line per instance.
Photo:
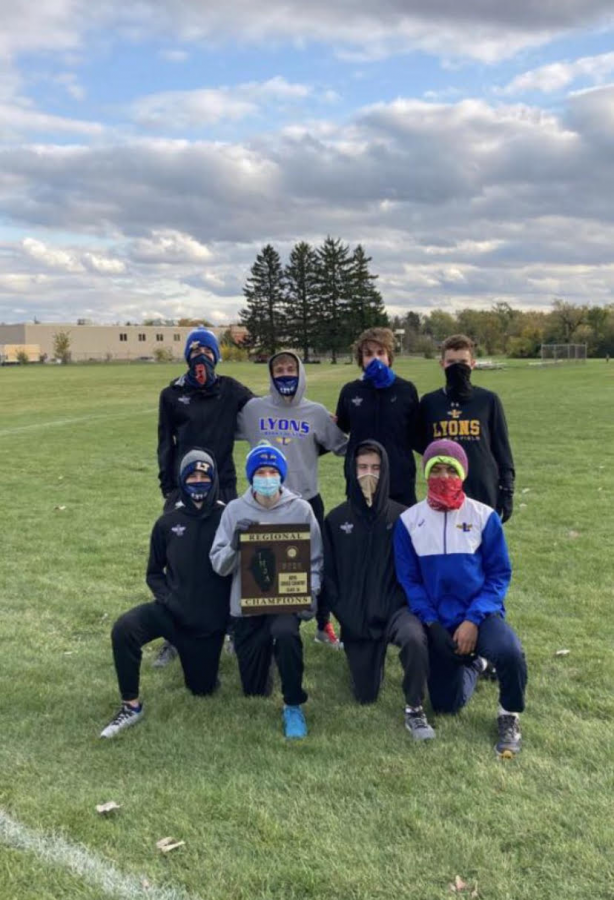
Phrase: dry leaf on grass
(574, 534)
(525, 490)
(165, 845)
(459, 885)
(60, 508)
(562, 652)
(523, 506)
(108, 807)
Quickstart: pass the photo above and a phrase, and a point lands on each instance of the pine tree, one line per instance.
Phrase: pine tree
(301, 298)
(264, 314)
(366, 308)
(334, 291)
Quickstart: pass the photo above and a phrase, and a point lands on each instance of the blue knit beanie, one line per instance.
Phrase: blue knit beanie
(264, 454)
(202, 337)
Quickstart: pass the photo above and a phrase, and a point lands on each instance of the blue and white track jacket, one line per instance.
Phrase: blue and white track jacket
(452, 565)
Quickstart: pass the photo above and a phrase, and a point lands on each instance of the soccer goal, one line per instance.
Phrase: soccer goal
(563, 353)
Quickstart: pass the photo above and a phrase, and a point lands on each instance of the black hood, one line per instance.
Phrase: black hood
(210, 501)
(354, 491)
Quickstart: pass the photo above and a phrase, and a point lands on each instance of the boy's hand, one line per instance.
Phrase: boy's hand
(442, 642)
(241, 526)
(505, 504)
(466, 636)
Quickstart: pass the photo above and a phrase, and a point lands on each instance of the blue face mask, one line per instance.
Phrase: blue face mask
(198, 490)
(287, 385)
(379, 374)
(266, 485)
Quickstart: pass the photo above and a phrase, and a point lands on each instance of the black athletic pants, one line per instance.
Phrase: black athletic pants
(260, 638)
(367, 659)
(323, 613)
(200, 656)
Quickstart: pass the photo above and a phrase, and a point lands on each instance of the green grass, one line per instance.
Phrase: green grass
(356, 811)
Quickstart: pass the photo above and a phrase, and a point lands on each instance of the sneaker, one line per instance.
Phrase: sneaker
(295, 725)
(327, 636)
(126, 717)
(229, 644)
(166, 655)
(510, 739)
(485, 669)
(417, 725)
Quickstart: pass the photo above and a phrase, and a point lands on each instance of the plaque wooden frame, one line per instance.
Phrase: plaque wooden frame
(275, 569)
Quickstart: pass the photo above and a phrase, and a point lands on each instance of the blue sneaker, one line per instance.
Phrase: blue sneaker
(295, 725)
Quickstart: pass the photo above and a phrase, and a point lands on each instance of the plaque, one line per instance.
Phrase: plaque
(275, 569)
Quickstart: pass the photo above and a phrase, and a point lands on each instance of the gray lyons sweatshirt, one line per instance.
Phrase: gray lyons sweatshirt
(300, 428)
(289, 510)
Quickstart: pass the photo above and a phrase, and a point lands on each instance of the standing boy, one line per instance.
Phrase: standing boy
(305, 430)
(198, 409)
(474, 417)
(191, 602)
(452, 561)
(259, 638)
(383, 407)
(361, 585)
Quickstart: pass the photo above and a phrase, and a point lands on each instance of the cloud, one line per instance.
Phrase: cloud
(168, 246)
(363, 29)
(20, 117)
(458, 203)
(174, 56)
(180, 110)
(71, 261)
(559, 75)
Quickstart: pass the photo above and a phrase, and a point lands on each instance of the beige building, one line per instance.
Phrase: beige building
(106, 342)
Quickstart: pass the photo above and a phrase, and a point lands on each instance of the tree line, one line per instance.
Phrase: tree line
(317, 303)
(505, 331)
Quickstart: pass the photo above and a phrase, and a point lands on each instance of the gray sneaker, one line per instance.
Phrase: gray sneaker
(510, 738)
(166, 655)
(126, 717)
(418, 726)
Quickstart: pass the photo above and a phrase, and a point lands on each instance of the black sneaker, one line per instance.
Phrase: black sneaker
(510, 738)
(127, 716)
(166, 655)
(417, 725)
(484, 668)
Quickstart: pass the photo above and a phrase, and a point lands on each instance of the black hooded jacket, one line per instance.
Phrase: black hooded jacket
(360, 580)
(179, 571)
(388, 415)
(189, 417)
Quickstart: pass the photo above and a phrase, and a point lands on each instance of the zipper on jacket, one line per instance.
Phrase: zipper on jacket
(445, 528)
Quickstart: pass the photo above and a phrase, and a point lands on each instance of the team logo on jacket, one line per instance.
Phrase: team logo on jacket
(178, 530)
(348, 527)
(283, 430)
(357, 401)
(465, 526)
(185, 400)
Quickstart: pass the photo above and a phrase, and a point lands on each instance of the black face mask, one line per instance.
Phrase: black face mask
(458, 380)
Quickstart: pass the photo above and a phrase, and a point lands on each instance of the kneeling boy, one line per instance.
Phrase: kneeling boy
(191, 605)
(260, 637)
(363, 591)
(452, 560)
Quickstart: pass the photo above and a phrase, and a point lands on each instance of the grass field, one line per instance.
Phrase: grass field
(355, 812)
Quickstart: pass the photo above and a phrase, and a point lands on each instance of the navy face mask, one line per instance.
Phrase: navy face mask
(198, 490)
(202, 371)
(287, 385)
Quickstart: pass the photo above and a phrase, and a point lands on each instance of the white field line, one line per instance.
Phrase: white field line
(60, 422)
(78, 860)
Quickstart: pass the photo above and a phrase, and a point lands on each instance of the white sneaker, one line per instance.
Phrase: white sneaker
(126, 717)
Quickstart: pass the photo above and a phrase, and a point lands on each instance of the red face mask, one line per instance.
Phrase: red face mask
(445, 494)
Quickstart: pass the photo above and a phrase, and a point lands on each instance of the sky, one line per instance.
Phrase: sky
(149, 150)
